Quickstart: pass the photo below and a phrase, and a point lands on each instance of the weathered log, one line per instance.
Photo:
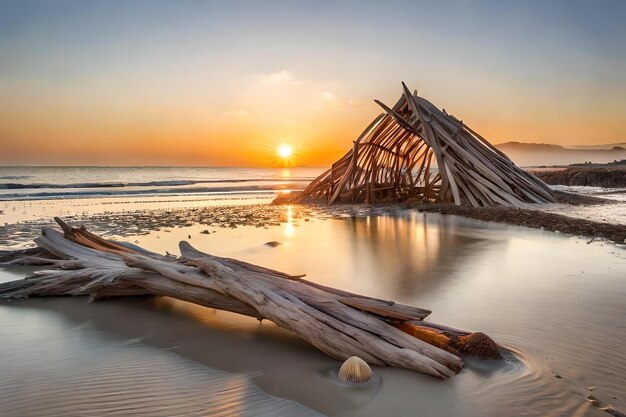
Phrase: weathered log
(384, 308)
(337, 322)
(14, 256)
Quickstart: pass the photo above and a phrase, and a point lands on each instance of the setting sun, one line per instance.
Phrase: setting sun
(284, 151)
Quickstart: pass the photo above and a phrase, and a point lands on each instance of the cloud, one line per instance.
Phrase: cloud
(287, 91)
(287, 104)
(280, 77)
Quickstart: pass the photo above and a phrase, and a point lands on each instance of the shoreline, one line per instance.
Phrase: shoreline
(538, 219)
(565, 217)
(531, 218)
(534, 219)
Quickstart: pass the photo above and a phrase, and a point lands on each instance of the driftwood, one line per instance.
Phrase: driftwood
(414, 150)
(337, 322)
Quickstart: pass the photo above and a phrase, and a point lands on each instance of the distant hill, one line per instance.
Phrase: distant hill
(539, 154)
(604, 146)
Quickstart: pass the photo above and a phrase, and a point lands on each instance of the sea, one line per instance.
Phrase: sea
(45, 183)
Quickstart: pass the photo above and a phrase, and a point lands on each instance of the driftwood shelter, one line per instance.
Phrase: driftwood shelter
(414, 150)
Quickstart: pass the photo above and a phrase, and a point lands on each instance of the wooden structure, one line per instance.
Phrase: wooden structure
(337, 322)
(414, 150)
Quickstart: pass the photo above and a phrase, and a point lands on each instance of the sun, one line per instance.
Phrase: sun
(284, 151)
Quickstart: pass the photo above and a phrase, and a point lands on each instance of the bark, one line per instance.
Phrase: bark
(337, 322)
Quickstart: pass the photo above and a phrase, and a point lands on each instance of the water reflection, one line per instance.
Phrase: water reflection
(288, 227)
(411, 253)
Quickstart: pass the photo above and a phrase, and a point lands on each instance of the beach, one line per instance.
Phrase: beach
(306, 209)
(560, 313)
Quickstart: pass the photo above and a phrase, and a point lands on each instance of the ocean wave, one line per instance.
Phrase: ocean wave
(256, 189)
(15, 177)
(168, 183)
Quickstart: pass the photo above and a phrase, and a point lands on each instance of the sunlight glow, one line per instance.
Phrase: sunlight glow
(284, 151)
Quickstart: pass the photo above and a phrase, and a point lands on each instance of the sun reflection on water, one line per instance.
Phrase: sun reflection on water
(289, 228)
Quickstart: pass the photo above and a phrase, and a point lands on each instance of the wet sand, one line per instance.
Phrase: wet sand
(92, 362)
(21, 221)
(555, 300)
(573, 220)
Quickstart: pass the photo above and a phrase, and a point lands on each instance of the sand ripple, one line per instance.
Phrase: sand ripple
(85, 376)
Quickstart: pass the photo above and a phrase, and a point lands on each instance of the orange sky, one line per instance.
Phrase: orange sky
(182, 83)
(245, 130)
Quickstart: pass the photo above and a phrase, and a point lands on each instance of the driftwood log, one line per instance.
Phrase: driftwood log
(337, 322)
(415, 151)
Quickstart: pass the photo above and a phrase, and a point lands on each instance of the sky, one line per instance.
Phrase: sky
(224, 83)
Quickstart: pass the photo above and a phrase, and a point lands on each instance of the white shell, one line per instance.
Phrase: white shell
(355, 370)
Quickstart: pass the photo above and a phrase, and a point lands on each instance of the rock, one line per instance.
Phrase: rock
(272, 244)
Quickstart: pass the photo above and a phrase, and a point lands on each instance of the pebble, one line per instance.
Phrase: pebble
(132, 223)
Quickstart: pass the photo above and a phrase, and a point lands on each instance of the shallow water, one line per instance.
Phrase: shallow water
(58, 368)
(557, 301)
(614, 213)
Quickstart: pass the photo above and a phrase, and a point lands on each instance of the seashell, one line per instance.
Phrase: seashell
(355, 370)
